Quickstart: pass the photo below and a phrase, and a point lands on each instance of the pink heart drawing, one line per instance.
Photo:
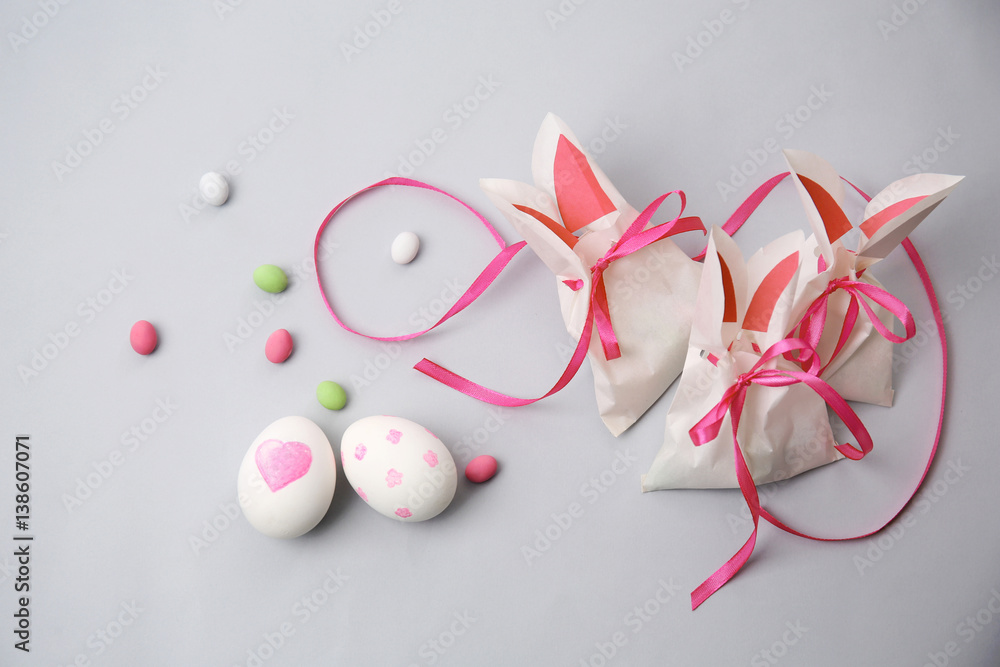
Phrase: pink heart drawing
(281, 463)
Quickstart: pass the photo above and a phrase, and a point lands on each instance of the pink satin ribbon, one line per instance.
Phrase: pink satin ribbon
(478, 286)
(707, 430)
(727, 571)
(736, 396)
(810, 327)
(598, 312)
(633, 239)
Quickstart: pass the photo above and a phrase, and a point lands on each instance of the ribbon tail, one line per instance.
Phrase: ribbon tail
(722, 576)
(479, 285)
(479, 392)
(850, 319)
(602, 319)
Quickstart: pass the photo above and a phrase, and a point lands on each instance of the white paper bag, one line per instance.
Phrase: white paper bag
(743, 310)
(785, 430)
(571, 217)
(862, 369)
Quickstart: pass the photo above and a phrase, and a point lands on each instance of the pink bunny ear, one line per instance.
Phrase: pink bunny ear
(552, 225)
(721, 295)
(822, 194)
(758, 317)
(897, 210)
(772, 278)
(580, 197)
(563, 169)
(730, 308)
(532, 213)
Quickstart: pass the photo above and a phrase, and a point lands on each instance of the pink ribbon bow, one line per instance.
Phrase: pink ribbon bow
(810, 328)
(633, 239)
(598, 311)
(707, 429)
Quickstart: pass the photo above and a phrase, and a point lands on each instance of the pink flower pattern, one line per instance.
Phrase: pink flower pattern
(394, 436)
(404, 513)
(360, 451)
(431, 458)
(393, 478)
(364, 496)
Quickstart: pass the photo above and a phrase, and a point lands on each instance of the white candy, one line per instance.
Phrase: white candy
(398, 467)
(405, 247)
(214, 188)
(287, 478)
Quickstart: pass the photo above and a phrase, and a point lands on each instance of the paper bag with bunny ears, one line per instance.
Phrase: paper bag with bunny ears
(857, 360)
(571, 217)
(744, 309)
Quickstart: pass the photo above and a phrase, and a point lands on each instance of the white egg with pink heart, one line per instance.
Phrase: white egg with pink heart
(288, 475)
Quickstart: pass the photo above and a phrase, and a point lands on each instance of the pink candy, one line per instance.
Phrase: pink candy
(278, 346)
(143, 337)
(481, 468)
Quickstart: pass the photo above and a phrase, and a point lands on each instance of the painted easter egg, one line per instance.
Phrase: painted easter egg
(398, 467)
(287, 478)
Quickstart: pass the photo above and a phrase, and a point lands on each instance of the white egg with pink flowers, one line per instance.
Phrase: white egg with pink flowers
(398, 467)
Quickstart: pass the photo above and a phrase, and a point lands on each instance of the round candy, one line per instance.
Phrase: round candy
(405, 247)
(214, 188)
(481, 468)
(143, 337)
(331, 395)
(270, 278)
(278, 346)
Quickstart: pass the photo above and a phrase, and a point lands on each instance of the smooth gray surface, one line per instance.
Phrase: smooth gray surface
(347, 122)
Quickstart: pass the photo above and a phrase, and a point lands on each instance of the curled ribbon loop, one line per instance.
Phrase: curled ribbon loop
(478, 286)
(732, 402)
(634, 238)
(813, 322)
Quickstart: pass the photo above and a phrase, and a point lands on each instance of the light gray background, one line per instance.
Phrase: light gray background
(62, 235)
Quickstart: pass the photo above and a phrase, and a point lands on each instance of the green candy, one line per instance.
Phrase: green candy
(331, 395)
(270, 278)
